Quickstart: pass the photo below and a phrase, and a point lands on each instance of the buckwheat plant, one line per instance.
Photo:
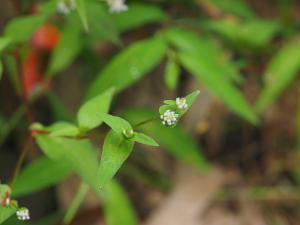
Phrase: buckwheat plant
(9, 207)
(71, 144)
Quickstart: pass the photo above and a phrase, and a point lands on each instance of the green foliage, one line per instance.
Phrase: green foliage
(81, 8)
(117, 207)
(75, 204)
(279, 73)
(129, 66)
(116, 150)
(68, 48)
(250, 34)
(20, 29)
(138, 14)
(172, 72)
(117, 124)
(90, 114)
(202, 60)
(237, 7)
(78, 154)
(41, 173)
(1, 69)
(6, 212)
(144, 139)
(4, 42)
(101, 24)
(175, 140)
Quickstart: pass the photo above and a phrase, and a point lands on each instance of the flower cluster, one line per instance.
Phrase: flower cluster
(23, 214)
(169, 118)
(117, 6)
(181, 103)
(65, 6)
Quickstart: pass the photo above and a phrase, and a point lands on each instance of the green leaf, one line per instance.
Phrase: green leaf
(138, 14)
(237, 7)
(101, 24)
(279, 74)
(4, 42)
(40, 174)
(79, 154)
(218, 84)
(60, 128)
(6, 212)
(90, 114)
(1, 69)
(50, 146)
(144, 139)
(176, 141)
(118, 124)
(172, 73)
(81, 8)
(67, 49)
(20, 29)
(63, 128)
(253, 34)
(4, 189)
(117, 206)
(116, 150)
(186, 41)
(129, 66)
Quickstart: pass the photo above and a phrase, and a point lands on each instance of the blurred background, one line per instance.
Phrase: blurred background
(234, 157)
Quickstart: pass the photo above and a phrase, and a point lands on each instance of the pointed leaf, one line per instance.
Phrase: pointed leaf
(218, 84)
(129, 66)
(144, 139)
(117, 123)
(91, 113)
(79, 154)
(40, 174)
(20, 29)
(81, 8)
(67, 49)
(279, 74)
(6, 212)
(138, 14)
(116, 150)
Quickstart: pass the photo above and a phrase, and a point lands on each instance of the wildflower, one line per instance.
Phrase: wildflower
(181, 103)
(23, 214)
(65, 6)
(169, 118)
(117, 6)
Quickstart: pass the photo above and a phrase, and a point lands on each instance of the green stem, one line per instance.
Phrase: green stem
(75, 204)
(14, 120)
(21, 160)
(145, 122)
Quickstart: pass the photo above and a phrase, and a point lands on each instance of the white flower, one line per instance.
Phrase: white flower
(181, 103)
(65, 6)
(169, 118)
(117, 6)
(23, 214)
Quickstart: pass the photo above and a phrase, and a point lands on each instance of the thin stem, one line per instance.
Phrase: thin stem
(21, 159)
(145, 122)
(76, 202)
